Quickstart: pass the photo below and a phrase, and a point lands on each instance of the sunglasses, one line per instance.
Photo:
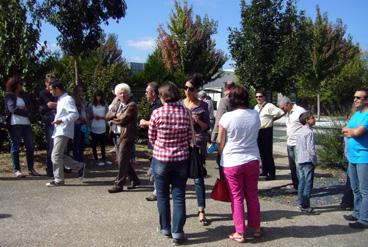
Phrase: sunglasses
(358, 97)
(191, 89)
(258, 97)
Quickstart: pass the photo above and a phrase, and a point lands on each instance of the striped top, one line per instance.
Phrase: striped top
(169, 132)
(305, 146)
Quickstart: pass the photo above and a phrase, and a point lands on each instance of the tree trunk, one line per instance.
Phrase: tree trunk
(76, 70)
(318, 104)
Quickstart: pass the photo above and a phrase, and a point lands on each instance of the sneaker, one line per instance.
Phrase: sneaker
(33, 173)
(151, 198)
(100, 163)
(358, 225)
(307, 210)
(350, 218)
(53, 183)
(19, 174)
(178, 241)
(107, 162)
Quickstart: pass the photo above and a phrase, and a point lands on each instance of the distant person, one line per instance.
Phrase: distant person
(237, 144)
(66, 115)
(123, 114)
(97, 112)
(18, 107)
(306, 159)
(47, 111)
(152, 95)
(201, 124)
(357, 134)
(202, 95)
(293, 112)
(170, 138)
(268, 113)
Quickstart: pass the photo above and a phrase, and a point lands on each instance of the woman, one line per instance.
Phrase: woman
(19, 106)
(97, 112)
(123, 114)
(201, 123)
(237, 144)
(81, 124)
(169, 134)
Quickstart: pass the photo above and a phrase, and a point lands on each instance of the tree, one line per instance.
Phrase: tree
(268, 48)
(79, 23)
(155, 69)
(187, 47)
(19, 38)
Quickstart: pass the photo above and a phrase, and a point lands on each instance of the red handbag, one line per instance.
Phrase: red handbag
(220, 191)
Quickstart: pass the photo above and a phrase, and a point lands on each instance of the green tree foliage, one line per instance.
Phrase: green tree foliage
(268, 48)
(187, 46)
(155, 69)
(79, 23)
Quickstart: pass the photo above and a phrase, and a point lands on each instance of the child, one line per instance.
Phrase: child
(306, 159)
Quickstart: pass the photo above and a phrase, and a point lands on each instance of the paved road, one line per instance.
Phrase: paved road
(84, 214)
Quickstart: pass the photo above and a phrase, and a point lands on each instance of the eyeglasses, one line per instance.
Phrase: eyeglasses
(358, 97)
(257, 97)
(191, 89)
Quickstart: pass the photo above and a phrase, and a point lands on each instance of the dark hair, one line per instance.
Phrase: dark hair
(365, 90)
(12, 83)
(229, 85)
(169, 92)
(50, 77)
(304, 117)
(238, 97)
(196, 80)
(261, 91)
(98, 93)
(154, 86)
(57, 84)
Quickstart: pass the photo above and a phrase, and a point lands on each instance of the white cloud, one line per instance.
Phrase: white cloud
(144, 44)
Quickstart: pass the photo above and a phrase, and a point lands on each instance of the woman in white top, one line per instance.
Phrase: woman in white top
(18, 107)
(97, 112)
(237, 144)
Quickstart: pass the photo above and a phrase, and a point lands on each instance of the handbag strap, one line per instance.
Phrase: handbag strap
(192, 129)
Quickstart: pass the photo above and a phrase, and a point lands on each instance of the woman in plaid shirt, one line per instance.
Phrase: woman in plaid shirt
(170, 134)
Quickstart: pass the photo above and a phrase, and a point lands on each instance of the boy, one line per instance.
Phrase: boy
(306, 159)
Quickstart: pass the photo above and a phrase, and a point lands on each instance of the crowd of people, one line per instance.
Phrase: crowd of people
(174, 126)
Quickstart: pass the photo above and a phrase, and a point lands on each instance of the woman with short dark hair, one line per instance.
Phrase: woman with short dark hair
(19, 106)
(169, 134)
(237, 144)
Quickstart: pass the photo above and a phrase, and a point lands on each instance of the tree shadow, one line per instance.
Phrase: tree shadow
(3, 216)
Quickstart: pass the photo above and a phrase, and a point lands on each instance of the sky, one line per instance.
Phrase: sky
(137, 31)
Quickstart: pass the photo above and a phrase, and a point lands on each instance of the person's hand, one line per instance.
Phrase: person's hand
(142, 123)
(346, 132)
(57, 121)
(52, 105)
(195, 118)
(119, 114)
(22, 107)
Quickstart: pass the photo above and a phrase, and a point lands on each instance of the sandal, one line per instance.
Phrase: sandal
(258, 233)
(240, 238)
(204, 221)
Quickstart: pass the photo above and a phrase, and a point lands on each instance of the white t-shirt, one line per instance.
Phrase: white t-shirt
(268, 113)
(241, 137)
(17, 119)
(293, 124)
(98, 126)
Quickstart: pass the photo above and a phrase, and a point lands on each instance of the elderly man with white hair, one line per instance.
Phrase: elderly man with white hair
(293, 112)
(202, 95)
(123, 113)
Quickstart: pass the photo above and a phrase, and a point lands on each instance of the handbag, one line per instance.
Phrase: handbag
(220, 191)
(195, 168)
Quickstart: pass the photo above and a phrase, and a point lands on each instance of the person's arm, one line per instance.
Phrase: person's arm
(72, 115)
(353, 132)
(11, 105)
(221, 138)
(152, 130)
(126, 117)
(275, 112)
(311, 147)
(220, 111)
(111, 114)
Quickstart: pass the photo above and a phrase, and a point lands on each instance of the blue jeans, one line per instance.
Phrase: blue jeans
(18, 132)
(292, 165)
(305, 186)
(176, 175)
(200, 190)
(78, 143)
(358, 174)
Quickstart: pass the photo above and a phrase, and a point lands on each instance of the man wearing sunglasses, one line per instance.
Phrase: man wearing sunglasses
(293, 112)
(268, 113)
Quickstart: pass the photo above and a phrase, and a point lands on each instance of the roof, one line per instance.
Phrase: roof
(219, 82)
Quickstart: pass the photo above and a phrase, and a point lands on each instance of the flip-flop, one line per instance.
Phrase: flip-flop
(239, 239)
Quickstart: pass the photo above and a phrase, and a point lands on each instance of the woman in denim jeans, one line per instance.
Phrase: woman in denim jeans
(169, 133)
(19, 106)
(201, 123)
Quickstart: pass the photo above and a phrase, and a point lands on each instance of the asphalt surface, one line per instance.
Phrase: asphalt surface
(84, 214)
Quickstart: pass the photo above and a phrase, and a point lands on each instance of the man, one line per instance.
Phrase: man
(268, 113)
(202, 95)
(47, 111)
(66, 115)
(155, 102)
(293, 112)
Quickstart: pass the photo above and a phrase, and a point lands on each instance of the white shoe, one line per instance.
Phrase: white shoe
(18, 174)
(100, 163)
(107, 162)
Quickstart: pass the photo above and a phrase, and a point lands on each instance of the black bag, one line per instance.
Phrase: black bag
(196, 168)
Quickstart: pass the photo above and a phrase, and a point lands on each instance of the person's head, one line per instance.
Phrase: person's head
(14, 84)
(260, 96)
(169, 92)
(56, 88)
(50, 77)
(228, 85)
(202, 95)
(78, 92)
(360, 98)
(122, 91)
(152, 91)
(238, 97)
(307, 118)
(285, 104)
(98, 98)
(192, 85)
